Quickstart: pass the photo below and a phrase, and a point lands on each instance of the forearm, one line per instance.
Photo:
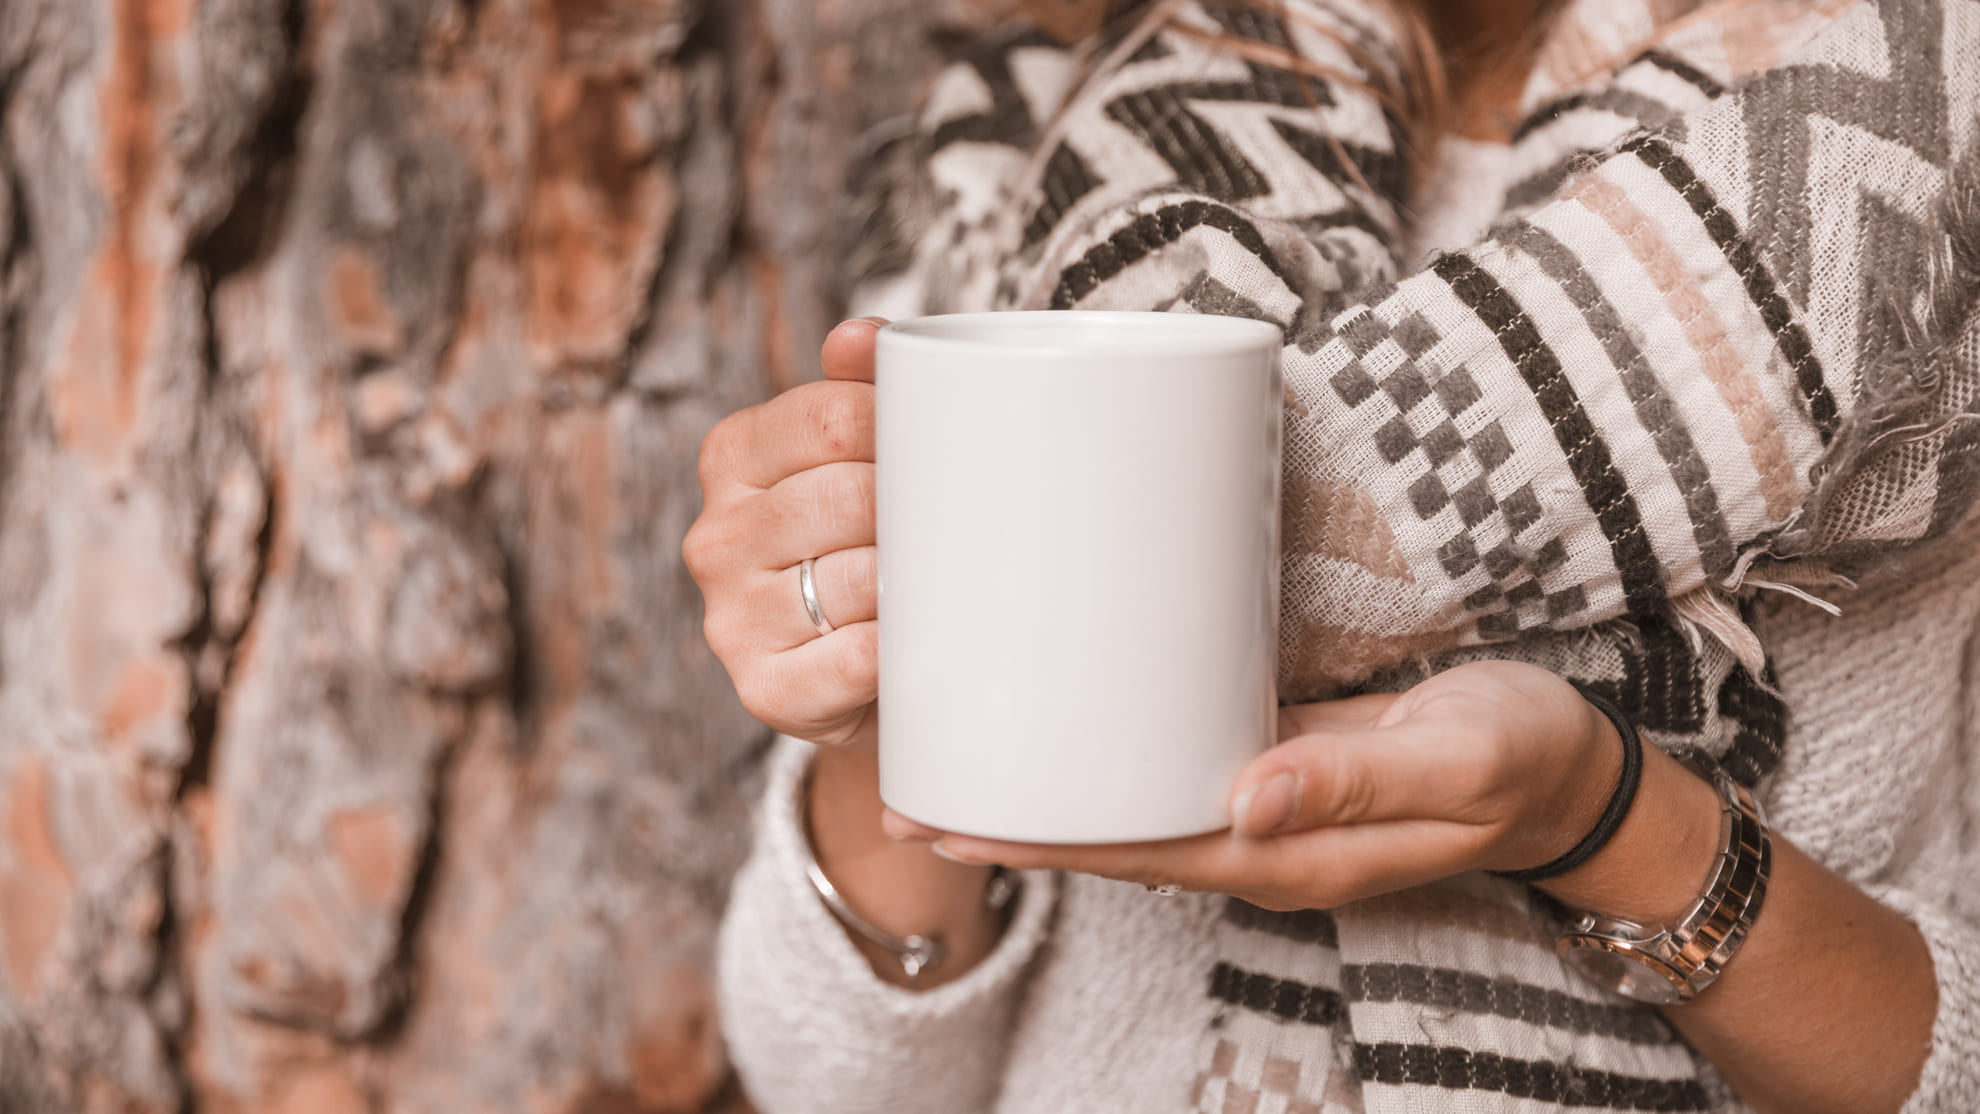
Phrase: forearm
(1829, 1004)
(1834, 1008)
(902, 888)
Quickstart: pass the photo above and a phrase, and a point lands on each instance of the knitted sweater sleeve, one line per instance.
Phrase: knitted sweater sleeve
(813, 1030)
(1950, 1082)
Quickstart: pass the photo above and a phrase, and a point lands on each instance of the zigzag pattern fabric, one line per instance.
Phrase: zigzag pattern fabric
(1690, 359)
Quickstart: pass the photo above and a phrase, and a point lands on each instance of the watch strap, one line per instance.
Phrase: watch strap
(1691, 953)
(1718, 922)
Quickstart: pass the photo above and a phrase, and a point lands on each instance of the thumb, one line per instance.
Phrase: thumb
(1351, 776)
(848, 350)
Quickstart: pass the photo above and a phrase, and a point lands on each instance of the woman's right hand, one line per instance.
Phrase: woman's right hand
(789, 479)
(780, 482)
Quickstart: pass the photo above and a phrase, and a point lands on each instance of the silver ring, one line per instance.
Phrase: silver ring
(808, 586)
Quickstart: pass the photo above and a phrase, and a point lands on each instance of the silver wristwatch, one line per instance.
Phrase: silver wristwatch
(1667, 964)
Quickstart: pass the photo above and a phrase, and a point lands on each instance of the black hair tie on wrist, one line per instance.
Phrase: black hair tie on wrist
(1612, 816)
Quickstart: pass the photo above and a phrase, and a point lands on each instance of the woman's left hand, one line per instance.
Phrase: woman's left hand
(1493, 765)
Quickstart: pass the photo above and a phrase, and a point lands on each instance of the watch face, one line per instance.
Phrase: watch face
(1623, 973)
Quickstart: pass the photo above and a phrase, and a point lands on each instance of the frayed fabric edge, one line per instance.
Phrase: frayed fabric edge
(1900, 399)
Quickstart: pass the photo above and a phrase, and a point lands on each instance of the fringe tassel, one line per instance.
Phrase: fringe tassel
(1900, 400)
(1709, 610)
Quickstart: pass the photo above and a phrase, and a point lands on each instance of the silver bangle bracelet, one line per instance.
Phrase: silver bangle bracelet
(916, 953)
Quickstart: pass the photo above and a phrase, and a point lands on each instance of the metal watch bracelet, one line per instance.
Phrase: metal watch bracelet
(917, 952)
(1668, 964)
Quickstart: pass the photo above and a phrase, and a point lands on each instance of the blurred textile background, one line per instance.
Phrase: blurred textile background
(358, 747)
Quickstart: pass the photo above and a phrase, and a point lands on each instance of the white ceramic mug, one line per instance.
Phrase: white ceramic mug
(1079, 567)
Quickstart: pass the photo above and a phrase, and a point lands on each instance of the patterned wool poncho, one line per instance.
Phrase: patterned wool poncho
(1721, 338)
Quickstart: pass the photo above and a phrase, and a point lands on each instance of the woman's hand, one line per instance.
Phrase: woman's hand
(1828, 1006)
(791, 479)
(1495, 765)
(780, 482)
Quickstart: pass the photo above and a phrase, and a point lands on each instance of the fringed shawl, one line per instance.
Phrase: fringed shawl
(1722, 338)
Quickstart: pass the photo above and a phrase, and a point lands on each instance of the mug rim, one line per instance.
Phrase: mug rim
(1072, 331)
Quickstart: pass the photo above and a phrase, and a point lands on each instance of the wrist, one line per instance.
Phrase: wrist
(844, 810)
(1578, 819)
(1660, 857)
(902, 889)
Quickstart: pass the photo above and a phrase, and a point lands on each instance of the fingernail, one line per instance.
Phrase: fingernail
(944, 852)
(1266, 807)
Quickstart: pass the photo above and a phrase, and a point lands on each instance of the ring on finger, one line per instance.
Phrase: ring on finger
(808, 588)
